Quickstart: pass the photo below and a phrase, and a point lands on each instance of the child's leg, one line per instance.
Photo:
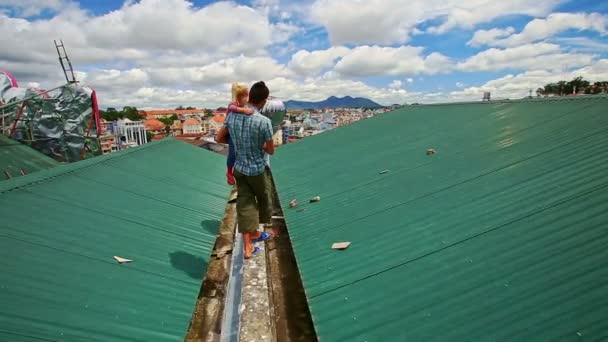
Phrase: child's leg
(230, 163)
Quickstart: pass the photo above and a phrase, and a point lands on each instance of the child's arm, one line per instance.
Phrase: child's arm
(241, 110)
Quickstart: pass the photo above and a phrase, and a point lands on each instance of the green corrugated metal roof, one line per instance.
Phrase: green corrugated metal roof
(16, 157)
(499, 236)
(159, 204)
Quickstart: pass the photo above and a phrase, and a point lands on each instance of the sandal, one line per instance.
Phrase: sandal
(263, 237)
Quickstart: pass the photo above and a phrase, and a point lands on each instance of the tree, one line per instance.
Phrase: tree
(131, 113)
(166, 121)
(189, 108)
(540, 92)
(575, 86)
(208, 113)
(578, 85)
(179, 108)
(149, 136)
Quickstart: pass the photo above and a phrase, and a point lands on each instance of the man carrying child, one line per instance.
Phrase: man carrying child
(251, 136)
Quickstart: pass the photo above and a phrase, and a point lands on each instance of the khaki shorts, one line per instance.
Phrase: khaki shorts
(254, 201)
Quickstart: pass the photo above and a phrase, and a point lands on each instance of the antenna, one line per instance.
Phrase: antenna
(63, 60)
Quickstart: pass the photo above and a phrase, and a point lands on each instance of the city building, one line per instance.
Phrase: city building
(215, 123)
(128, 133)
(167, 113)
(192, 126)
(154, 126)
(177, 128)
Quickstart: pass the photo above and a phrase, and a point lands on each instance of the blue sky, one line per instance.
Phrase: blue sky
(158, 53)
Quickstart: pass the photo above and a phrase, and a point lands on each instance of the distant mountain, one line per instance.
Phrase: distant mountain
(333, 102)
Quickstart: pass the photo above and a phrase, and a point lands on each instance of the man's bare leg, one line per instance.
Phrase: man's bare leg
(248, 245)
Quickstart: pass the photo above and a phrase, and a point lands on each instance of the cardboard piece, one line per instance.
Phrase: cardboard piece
(315, 199)
(293, 203)
(430, 151)
(340, 245)
(122, 260)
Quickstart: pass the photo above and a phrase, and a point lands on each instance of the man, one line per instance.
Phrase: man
(252, 138)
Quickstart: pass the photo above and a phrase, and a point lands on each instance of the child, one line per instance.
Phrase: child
(240, 96)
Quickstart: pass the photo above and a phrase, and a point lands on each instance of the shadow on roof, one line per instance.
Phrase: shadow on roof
(192, 265)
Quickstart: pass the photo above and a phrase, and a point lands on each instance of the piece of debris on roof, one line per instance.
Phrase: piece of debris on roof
(340, 245)
(122, 260)
(315, 199)
(293, 203)
(383, 172)
(430, 151)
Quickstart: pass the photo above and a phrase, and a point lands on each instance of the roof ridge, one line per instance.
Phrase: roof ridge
(524, 100)
(44, 175)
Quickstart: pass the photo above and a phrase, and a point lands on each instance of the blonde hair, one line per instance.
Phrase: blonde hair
(238, 90)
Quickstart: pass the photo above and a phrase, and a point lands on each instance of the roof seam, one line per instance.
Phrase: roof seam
(64, 169)
(93, 258)
(393, 174)
(599, 187)
(516, 101)
(459, 183)
(107, 214)
(151, 178)
(144, 196)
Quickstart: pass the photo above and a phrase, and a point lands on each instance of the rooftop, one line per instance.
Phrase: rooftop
(17, 159)
(60, 280)
(192, 122)
(154, 125)
(219, 119)
(499, 235)
(156, 112)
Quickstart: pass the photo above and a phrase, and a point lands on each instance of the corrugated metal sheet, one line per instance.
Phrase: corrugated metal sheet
(16, 158)
(160, 205)
(499, 236)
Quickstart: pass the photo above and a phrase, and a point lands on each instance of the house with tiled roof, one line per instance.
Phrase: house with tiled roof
(167, 113)
(154, 125)
(216, 122)
(192, 126)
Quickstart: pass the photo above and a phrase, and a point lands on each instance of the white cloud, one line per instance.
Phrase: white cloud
(583, 44)
(467, 14)
(410, 80)
(542, 56)
(396, 84)
(539, 29)
(311, 63)
(487, 37)
(459, 85)
(281, 32)
(518, 86)
(389, 61)
(390, 21)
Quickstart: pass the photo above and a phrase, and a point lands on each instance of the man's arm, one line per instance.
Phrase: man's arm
(269, 146)
(222, 135)
(267, 134)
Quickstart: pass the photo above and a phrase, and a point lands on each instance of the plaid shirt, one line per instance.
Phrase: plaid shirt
(248, 134)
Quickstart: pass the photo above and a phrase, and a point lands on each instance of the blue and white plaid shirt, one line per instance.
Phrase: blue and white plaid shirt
(248, 134)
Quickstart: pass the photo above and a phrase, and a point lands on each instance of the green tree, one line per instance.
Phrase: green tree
(131, 113)
(208, 113)
(166, 121)
(149, 136)
(180, 108)
(540, 92)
